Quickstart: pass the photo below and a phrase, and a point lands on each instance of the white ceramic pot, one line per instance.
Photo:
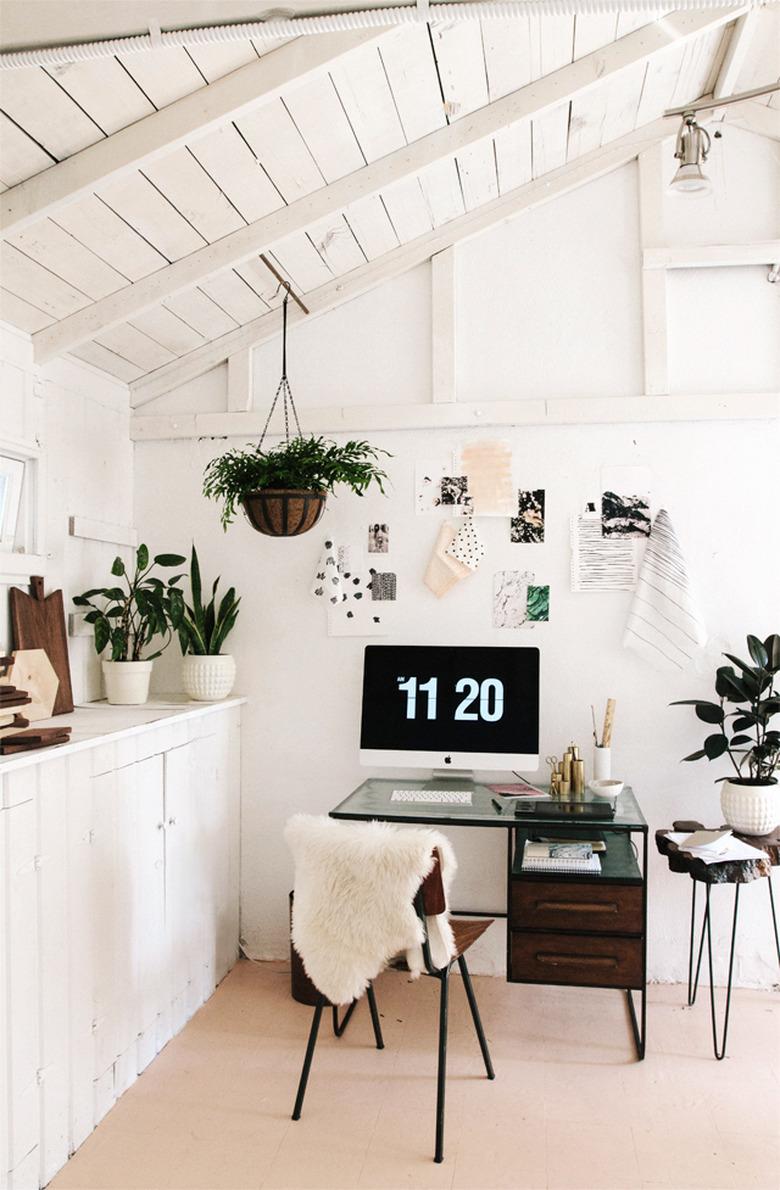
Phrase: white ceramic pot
(208, 679)
(602, 763)
(751, 809)
(127, 682)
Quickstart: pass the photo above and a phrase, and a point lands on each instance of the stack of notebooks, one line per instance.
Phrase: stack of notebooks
(565, 856)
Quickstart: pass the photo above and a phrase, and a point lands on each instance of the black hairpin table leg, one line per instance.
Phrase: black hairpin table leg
(774, 916)
(720, 1055)
(338, 1029)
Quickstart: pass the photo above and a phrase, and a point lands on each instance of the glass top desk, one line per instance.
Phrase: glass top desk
(571, 930)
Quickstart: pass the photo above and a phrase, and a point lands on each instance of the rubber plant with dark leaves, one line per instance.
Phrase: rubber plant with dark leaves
(744, 732)
(129, 618)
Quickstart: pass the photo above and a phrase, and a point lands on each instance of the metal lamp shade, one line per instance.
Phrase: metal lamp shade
(284, 512)
(692, 149)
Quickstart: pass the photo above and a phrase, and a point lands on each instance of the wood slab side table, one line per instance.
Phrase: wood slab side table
(736, 872)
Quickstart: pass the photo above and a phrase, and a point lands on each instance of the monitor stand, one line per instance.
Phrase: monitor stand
(465, 776)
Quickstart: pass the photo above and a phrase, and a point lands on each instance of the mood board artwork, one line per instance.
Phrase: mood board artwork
(517, 600)
(378, 538)
(625, 501)
(600, 563)
(487, 464)
(438, 486)
(352, 590)
(527, 528)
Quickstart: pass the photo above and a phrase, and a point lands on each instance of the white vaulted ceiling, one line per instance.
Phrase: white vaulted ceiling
(146, 246)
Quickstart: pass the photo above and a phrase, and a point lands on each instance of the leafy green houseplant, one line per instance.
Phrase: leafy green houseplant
(130, 619)
(208, 673)
(750, 799)
(283, 491)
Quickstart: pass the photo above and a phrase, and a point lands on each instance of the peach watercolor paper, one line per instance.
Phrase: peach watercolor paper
(488, 465)
(444, 571)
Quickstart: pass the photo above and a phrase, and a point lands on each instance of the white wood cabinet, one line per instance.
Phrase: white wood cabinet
(118, 915)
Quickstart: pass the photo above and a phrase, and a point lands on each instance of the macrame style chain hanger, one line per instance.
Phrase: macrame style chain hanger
(284, 391)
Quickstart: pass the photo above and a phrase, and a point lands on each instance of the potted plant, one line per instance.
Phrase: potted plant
(750, 801)
(129, 618)
(283, 491)
(207, 673)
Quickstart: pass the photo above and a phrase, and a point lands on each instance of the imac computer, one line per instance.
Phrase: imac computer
(450, 708)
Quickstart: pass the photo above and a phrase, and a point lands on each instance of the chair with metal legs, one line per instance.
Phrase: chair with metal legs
(429, 902)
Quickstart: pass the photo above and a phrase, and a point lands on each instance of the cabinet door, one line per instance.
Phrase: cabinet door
(20, 939)
(82, 943)
(53, 951)
(185, 866)
(5, 1024)
(101, 926)
(149, 942)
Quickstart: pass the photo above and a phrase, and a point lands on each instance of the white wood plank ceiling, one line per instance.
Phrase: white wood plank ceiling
(78, 279)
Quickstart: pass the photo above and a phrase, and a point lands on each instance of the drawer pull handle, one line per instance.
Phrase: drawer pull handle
(575, 960)
(577, 906)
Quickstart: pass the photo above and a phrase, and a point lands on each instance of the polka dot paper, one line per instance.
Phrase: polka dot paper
(328, 581)
(467, 546)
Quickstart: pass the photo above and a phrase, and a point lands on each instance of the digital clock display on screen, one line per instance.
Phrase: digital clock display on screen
(430, 698)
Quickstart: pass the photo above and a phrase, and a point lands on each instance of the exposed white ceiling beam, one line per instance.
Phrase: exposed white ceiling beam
(183, 121)
(760, 118)
(560, 411)
(703, 256)
(343, 289)
(736, 51)
(526, 103)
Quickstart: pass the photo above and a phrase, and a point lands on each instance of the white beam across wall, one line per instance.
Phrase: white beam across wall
(239, 381)
(183, 121)
(552, 411)
(343, 289)
(528, 102)
(443, 326)
(80, 526)
(703, 256)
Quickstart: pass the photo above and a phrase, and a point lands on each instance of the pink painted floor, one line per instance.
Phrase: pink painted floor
(569, 1107)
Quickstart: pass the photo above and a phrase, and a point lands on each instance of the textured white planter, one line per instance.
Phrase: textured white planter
(751, 809)
(127, 682)
(208, 679)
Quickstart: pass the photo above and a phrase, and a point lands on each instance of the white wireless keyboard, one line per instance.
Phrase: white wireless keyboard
(431, 797)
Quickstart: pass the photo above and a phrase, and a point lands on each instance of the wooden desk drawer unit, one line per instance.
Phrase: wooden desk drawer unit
(562, 905)
(581, 959)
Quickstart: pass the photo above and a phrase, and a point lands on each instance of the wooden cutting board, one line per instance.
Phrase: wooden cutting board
(39, 623)
(30, 672)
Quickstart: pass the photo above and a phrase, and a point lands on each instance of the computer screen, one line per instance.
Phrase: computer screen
(451, 707)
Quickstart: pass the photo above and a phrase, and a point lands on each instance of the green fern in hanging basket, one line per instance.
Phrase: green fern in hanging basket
(302, 464)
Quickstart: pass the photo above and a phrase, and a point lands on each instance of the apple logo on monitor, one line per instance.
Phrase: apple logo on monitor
(448, 760)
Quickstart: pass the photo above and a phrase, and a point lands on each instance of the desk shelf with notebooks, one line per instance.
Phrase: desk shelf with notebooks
(562, 928)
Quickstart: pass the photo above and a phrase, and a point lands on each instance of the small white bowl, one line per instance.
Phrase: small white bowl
(606, 787)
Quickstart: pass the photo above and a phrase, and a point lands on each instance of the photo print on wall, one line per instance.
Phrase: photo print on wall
(519, 602)
(625, 501)
(527, 528)
(378, 538)
(437, 487)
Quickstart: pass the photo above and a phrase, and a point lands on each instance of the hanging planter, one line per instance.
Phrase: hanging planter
(284, 512)
(283, 491)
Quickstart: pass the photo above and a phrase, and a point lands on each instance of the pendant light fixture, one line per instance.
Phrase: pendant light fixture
(692, 150)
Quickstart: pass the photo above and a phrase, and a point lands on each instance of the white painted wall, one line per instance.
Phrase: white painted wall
(547, 305)
(81, 420)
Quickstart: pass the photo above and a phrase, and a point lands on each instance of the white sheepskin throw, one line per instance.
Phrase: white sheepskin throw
(355, 884)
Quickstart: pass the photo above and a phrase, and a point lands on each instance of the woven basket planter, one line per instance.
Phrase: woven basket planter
(284, 512)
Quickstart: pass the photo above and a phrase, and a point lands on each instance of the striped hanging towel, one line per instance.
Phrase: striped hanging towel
(664, 624)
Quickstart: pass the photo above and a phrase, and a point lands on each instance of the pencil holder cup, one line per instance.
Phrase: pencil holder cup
(602, 763)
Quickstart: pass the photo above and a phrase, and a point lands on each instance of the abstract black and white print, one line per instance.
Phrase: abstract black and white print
(527, 528)
(454, 490)
(625, 501)
(383, 586)
(378, 538)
